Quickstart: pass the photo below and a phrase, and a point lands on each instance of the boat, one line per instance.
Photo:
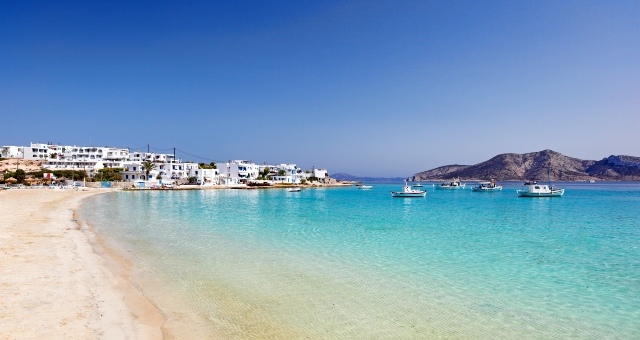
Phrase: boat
(365, 187)
(408, 192)
(592, 181)
(487, 186)
(417, 185)
(294, 189)
(533, 189)
(455, 184)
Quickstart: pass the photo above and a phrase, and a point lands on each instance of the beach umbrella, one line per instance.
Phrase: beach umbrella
(11, 179)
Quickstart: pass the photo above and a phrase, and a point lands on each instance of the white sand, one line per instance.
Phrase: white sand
(53, 284)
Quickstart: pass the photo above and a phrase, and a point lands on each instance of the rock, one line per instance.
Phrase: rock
(512, 166)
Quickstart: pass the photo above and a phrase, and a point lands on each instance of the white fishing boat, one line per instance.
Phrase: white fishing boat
(408, 192)
(533, 189)
(487, 187)
(455, 184)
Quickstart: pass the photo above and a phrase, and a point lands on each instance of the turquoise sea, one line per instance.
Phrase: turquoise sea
(344, 263)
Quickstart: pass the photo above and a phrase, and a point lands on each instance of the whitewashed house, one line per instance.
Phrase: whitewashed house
(292, 174)
(133, 172)
(12, 152)
(205, 176)
(36, 152)
(247, 170)
(138, 156)
(237, 172)
(320, 174)
(87, 158)
(228, 173)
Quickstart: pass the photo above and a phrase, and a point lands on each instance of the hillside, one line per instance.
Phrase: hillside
(512, 166)
(12, 164)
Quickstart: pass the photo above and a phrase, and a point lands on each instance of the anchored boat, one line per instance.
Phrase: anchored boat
(455, 184)
(408, 192)
(487, 186)
(533, 189)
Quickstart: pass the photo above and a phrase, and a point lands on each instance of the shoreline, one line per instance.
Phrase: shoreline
(58, 281)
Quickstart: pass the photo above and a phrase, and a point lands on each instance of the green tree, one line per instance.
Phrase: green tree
(108, 174)
(265, 172)
(19, 175)
(282, 172)
(148, 167)
(211, 165)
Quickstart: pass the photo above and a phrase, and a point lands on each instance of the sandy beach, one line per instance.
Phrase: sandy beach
(53, 283)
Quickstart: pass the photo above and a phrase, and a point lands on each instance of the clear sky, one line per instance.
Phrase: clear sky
(370, 88)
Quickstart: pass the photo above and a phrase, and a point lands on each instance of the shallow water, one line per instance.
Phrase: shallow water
(346, 263)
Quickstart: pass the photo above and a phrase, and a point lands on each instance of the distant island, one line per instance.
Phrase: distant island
(512, 166)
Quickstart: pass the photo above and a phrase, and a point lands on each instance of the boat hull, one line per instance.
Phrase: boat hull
(408, 194)
(554, 193)
(487, 189)
(440, 187)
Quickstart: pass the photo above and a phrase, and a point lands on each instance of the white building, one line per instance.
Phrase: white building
(134, 171)
(87, 158)
(228, 173)
(36, 152)
(12, 152)
(288, 173)
(247, 170)
(237, 172)
(205, 176)
(320, 174)
(152, 157)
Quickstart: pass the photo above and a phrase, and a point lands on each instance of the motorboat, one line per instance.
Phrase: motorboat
(293, 189)
(487, 186)
(408, 192)
(365, 187)
(417, 185)
(533, 189)
(455, 184)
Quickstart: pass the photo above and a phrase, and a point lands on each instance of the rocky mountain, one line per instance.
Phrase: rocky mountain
(512, 166)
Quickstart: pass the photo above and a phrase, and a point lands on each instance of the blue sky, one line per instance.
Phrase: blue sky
(370, 88)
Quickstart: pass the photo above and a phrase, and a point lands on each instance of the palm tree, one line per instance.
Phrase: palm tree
(148, 167)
